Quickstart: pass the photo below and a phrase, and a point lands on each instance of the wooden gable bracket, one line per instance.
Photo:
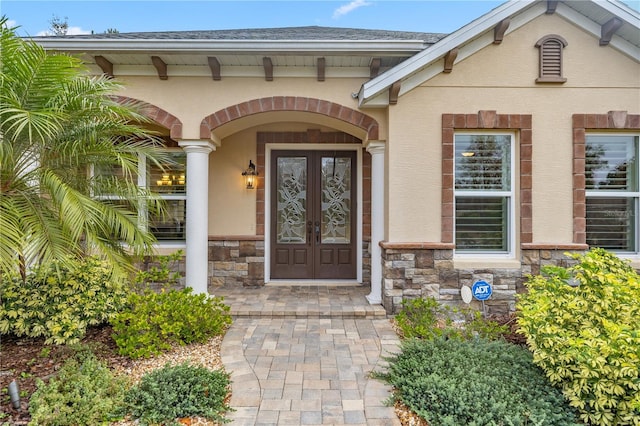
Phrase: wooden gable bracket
(214, 64)
(449, 59)
(499, 30)
(551, 7)
(393, 92)
(105, 65)
(321, 67)
(268, 68)
(374, 67)
(161, 66)
(609, 29)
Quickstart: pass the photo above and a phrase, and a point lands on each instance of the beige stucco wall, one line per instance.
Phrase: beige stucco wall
(502, 78)
(191, 99)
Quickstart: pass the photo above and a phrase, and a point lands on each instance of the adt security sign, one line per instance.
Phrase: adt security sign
(481, 290)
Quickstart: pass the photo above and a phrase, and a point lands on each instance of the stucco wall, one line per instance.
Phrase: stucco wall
(193, 98)
(502, 78)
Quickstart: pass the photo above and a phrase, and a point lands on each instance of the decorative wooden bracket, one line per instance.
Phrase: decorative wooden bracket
(268, 68)
(161, 66)
(609, 29)
(393, 92)
(499, 30)
(374, 67)
(321, 66)
(105, 65)
(449, 59)
(214, 64)
(551, 7)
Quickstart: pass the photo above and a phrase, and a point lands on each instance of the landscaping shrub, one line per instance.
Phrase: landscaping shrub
(453, 382)
(426, 318)
(58, 302)
(179, 391)
(154, 322)
(84, 392)
(587, 338)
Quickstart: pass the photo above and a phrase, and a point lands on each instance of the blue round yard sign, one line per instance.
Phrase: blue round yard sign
(481, 290)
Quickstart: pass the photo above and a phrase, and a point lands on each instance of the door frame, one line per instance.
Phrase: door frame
(267, 203)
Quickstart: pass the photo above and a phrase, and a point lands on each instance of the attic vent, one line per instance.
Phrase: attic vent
(551, 47)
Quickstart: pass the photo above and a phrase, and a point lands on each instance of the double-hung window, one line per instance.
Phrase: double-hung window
(612, 192)
(168, 181)
(484, 195)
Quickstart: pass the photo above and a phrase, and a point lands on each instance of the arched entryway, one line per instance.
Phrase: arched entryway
(344, 131)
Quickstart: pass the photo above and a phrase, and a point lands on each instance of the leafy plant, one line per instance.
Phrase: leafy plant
(426, 318)
(587, 338)
(58, 301)
(179, 391)
(452, 382)
(156, 321)
(84, 392)
(163, 272)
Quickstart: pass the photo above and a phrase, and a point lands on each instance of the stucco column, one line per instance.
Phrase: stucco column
(376, 149)
(197, 229)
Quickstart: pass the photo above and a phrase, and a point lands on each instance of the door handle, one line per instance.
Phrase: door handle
(317, 232)
(309, 232)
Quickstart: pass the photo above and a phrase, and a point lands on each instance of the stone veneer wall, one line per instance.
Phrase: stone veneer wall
(240, 262)
(412, 270)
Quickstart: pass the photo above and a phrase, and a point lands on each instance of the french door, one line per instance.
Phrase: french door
(313, 215)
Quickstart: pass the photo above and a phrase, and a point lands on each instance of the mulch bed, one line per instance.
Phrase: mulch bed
(25, 359)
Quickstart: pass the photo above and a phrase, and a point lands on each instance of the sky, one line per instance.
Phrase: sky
(33, 17)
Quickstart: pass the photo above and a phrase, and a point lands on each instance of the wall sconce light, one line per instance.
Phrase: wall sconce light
(250, 176)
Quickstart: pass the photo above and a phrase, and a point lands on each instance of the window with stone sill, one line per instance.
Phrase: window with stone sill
(612, 192)
(484, 193)
(168, 181)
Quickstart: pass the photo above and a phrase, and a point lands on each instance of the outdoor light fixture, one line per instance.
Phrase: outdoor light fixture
(468, 154)
(250, 176)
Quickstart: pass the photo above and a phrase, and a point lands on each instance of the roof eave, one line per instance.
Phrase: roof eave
(243, 46)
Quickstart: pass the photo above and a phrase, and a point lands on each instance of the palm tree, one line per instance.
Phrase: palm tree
(56, 122)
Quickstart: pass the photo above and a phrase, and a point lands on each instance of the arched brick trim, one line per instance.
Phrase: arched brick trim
(613, 120)
(487, 120)
(289, 103)
(157, 114)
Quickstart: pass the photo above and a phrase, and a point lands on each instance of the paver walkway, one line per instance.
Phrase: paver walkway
(292, 370)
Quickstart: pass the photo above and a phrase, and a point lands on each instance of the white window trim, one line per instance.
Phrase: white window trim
(143, 215)
(511, 206)
(595, 193)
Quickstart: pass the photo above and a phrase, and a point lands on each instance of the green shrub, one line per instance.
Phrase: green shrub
(179, 391)
(452, 382)
(84, 392)
(587, 338)
(156, 321)
(163, 274)
(59, 303)
(426, 318)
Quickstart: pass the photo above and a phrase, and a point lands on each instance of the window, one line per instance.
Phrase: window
(169, 182)
(611, 183)
(483, 193)
(551, 47)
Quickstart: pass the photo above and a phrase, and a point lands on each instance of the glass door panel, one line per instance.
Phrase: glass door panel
(335, 203)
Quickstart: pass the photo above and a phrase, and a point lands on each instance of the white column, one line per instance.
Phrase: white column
(197, 230)
(376, 149)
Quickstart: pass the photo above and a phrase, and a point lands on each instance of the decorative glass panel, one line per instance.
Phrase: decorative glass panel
(611, 163)
(171, 177)
(291, 214)
(336, 200)
(170, 226)
(483, 162)
(481, 223)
